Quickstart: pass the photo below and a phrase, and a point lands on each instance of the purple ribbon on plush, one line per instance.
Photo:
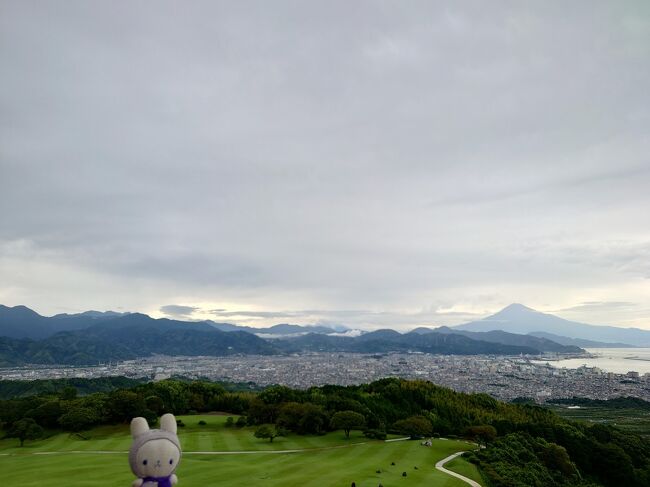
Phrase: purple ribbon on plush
(162, 481)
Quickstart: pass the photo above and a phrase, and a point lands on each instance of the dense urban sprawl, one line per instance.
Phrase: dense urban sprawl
(504, 378)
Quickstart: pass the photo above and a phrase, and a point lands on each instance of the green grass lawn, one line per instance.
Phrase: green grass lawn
(463, 467)
(329, 460)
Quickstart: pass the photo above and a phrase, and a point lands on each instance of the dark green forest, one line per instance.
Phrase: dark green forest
(10, 389)
(522, 444)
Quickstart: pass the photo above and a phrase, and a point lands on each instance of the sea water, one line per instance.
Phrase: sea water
(616, 360)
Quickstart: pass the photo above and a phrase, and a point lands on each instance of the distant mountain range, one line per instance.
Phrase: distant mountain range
(278, 330)
(92, 337)
(578, 342)
(22, 322)
(383, 341)
(499, 336)
(520, 319)
(129, 337)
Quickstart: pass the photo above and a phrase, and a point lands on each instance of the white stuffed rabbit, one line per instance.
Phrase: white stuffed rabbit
(154, 454)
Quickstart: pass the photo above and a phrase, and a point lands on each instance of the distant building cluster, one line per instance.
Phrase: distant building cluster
(504, 378)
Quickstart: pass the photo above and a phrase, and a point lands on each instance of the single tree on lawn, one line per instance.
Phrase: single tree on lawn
(270, 432)
(25, 429)
(79, 419)
(347, 420)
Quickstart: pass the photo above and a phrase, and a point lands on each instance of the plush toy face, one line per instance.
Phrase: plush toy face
(157, 458)
(154, 453)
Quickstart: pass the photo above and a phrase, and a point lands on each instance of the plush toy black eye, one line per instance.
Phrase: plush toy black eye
(144, 462)
(171, 461)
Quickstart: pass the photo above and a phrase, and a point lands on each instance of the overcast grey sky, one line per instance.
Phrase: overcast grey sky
(365, 163)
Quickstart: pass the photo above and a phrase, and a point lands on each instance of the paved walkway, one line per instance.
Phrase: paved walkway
(185, 452)
(441, 466)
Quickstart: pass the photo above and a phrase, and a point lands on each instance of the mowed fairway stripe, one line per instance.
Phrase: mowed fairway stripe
(229, 457)
(204, 441)
(321, 468)
(284, 468)
(115, 443)
(229, 441)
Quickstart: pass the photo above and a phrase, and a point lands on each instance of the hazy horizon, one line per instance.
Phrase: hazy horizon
(365, 163)
(369, 327)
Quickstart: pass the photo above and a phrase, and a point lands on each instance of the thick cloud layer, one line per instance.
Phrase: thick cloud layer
(368, 163)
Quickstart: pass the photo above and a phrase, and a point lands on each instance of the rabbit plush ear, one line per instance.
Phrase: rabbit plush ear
(168, 423)
(139, 426)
